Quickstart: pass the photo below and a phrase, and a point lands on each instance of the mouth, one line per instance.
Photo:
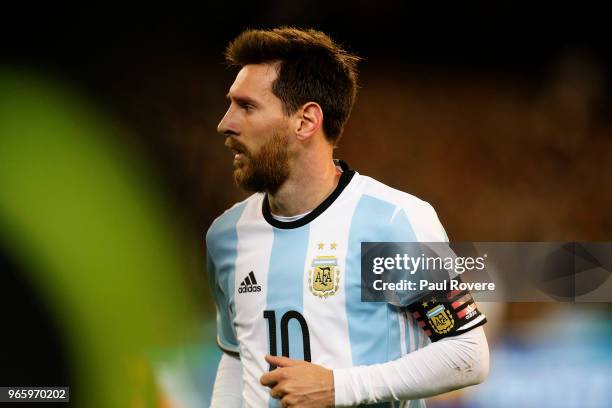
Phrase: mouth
(238, 151)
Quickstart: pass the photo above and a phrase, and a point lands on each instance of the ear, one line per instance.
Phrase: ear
(310, 120)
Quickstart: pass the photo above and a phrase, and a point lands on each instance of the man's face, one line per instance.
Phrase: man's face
(257, 130)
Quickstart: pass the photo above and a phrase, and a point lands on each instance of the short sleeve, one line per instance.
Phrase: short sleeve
(226, 337)
(443, 313)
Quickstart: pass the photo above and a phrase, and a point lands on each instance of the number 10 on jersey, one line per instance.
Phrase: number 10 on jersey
(270, 316)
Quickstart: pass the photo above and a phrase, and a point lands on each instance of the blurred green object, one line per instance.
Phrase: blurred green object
(77, 208)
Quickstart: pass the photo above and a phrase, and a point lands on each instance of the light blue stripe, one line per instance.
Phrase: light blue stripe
(435, 311)
(374, 330)
(333, 261)
(416, 330)
(285, 286)
(417, 404)
(418, 333)
(222, 243)
(373, 327)
(367, 321)
(401, 231)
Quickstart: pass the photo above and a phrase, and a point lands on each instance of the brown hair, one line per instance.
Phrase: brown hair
(313, 69)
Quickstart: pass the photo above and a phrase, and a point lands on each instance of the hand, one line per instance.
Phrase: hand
(300, 383)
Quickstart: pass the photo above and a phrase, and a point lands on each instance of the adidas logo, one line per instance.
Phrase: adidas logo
(249, 284)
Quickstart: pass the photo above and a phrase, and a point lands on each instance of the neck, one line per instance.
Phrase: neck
(313, 177)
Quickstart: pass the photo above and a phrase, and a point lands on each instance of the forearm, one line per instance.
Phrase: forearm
(227, 391)
(443, 366)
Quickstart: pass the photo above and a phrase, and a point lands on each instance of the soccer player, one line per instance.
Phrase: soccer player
(284, 264)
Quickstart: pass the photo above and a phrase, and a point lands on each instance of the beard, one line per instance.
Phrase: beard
(266, 170)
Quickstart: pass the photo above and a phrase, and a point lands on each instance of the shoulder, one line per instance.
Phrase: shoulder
(226, 222)
(420, 214)
(381, 191)
(401, 200)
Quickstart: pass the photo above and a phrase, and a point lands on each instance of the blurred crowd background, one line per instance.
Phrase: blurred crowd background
(111, 172)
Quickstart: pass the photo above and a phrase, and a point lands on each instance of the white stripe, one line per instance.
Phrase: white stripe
(251, 328)
(326, 317)
(472, 323)
(422, 338)
(411, 335)
(402, 325)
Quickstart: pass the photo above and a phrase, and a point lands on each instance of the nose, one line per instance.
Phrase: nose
(226, 126)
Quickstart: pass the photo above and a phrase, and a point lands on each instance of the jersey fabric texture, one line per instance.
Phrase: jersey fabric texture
(293, 288)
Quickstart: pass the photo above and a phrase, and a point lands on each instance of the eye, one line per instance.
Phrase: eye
(247, 107)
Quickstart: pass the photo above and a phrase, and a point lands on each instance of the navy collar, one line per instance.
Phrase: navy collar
(345, 178)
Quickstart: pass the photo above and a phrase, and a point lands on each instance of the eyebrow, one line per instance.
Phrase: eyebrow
(241, 99)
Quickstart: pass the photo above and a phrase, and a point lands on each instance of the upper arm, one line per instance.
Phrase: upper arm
(444, 314)
(226, 336)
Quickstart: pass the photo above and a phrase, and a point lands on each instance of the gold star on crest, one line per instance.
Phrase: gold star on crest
(425, 304)
(333, 245)
(434, 300)
(321, 245)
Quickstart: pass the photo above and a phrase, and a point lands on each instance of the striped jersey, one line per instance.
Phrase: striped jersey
(293, 288)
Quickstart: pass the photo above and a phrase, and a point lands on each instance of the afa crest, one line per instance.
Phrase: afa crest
(324, 277)
(440, 319)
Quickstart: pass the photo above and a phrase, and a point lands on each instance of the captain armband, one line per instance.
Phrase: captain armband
(446, 313)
